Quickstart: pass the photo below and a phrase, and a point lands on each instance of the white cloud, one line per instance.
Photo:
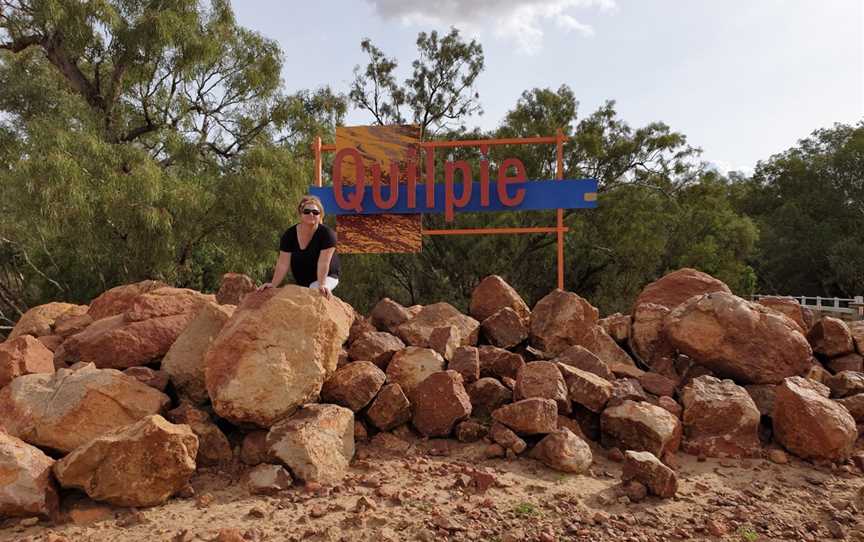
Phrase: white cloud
(522, 21)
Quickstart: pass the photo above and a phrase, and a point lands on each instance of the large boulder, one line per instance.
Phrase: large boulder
(390, 409)
(494, 294)
(274, 354)
(411, 366)
(662, 295)
(562, 450)
(499, 362)
(856, 329)
(559, 320)
(214, 447)
(640, 427)
(184, 361)
(377, 347)
(505, 328)
(720, 419)
(831, 337)
(529, 416)
(119, 299)
(738, 339)
(581, 358)
(26, 485)
(24, 355)
(40, 320)
(597, 341)
(316, 443)
(142, 464)
(440, 402)
(234, 288)
(353, 385)
(809, 425)
(542, 379)
(466, 361)
(387, 315)
(487, 394)
(845, 383)
(586, 389)
(71, 407)
(644, 467)
(787, 306)
(617, 326)
(418, 329)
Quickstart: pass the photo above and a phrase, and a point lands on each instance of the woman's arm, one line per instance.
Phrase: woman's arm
(323, 267)
(279, 272)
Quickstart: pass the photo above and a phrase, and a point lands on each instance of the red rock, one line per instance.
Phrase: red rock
(494, 294)
(670, 405)
(119, 299)
(72, 322)
(581, 358)
(846, 383)
(487, 395)
(499, 362)
(440, 402)
(377, 347)
(658, 384)
(505, 328)
(849, 362)
(417, 330)
(738, 339)
(569, 423)
(668, 292)
(390, 409)
(268, 480)
(856, 329)
(253, 450)
(647, 469)
(559, 319)
(626, 389)
(413, 365)
(24, 355)
(597, 341)
(40, 320)
(563, 451)
(509, 440)
(855, 405)
(469, 431)
(387, 315)
(360, 327)
(213, 445)
(831, 337)
(26, 485)
(466, 361)
(788, 307)
(234, 288)
(354, 385)
(640, 427)
(810, 425)
(763, 397)
(587, 389)
(542, 379)
(158, 380)
(316, 443)
(617, 326)
(142, 464)
(51, 342)
(720, 419)
(445, 340)
(529, 416)
(621, 370)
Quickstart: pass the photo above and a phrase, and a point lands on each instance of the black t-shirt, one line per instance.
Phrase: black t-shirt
(304, 263)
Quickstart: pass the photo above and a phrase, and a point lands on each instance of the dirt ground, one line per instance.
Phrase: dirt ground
(444, 490)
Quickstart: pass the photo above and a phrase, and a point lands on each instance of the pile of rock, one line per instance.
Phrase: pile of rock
(285, 380)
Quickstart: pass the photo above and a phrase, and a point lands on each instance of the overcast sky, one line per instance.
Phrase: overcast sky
(743, 79)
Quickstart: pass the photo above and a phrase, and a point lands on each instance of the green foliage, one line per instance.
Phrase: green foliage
(526, 509)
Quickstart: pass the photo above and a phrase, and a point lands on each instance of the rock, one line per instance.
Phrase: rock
(213, 445)
(849, 362)
(24, 355)
(268, 480)
(51, 342)
(505, 328)
(626, 389)
(810, 425)
(71, 407)
(620, 370)
(846, 383)
(361, 434)
(445, 340)
(665, 294)
(413, 365)
(587, 389)
(40, 320)
(440, 402)
(542, 379)
(487, 395)
(470, 431)
(466, 361)
(640, 427)
(658, 384)
(158, 380)
(529, 416)
(417, 330)
(234, 288)
(855, 405)
(499, 362)
(604, 347)
(72, 322)
(670, 405)
(120, 299)
(142, 464)
(563, 451)
(390, 409)
(494, 294)
(316, 443)
(831, 337)
(817, 373)
(253, 449)
(617, 326)
(377, 347)
(569, 423)
(856, 329)
(644, 467)
(581, 358)
(788, 307)
(778, 456)
(387, 315)
(360, 327)
(738, 339)
(720, 419)
(763, 397)
(559, 320)
(184, 362)
(633, 490)
(26, 485)
(509, 440)
(274, 354)
(354, 385)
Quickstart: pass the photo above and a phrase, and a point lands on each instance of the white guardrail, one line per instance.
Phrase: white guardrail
(852, 306)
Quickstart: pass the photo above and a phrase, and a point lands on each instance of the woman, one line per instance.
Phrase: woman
(309, 250)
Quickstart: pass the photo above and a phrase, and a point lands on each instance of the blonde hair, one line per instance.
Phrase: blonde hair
(311, 199)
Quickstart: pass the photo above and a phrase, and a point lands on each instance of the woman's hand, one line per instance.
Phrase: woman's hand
(264, 286)
(325, 291)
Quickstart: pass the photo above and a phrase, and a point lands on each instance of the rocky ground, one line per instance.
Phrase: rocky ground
(445, 490)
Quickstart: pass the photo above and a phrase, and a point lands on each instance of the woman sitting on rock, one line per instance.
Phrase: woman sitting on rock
(309, 250)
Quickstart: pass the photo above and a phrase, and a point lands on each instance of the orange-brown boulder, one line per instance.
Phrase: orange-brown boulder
(157, 380)
(831, 337)
(26, 485)
(411, 366)
(787, 306)
(466, 361)
(440, 402)
(505, 328)
(617, 326)
(377, 347)
(542, 379)
(24, 355)
(416, 331)
(529, 416)
(354, 385)
(494, 294)
(856, 329)
(564, 451)
(390, 409)
(849, 362)
(586, 389)
(845, 383)
(582, 358)
(119, 299)
(40, 320)
(640, 427)
(487, 394)
(234, 288)
(720, 419)
(499, 362)
(387, 315)
(644, 467)
(213, 445)
(559, 320)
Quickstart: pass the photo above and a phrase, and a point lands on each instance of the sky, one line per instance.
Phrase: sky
(742, 79)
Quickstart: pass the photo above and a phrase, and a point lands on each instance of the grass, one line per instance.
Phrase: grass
(748, 534)
(526, 509)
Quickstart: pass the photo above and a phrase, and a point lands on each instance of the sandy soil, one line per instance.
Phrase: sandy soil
(437, 490)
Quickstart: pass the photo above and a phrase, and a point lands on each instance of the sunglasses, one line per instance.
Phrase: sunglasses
(315, 212)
